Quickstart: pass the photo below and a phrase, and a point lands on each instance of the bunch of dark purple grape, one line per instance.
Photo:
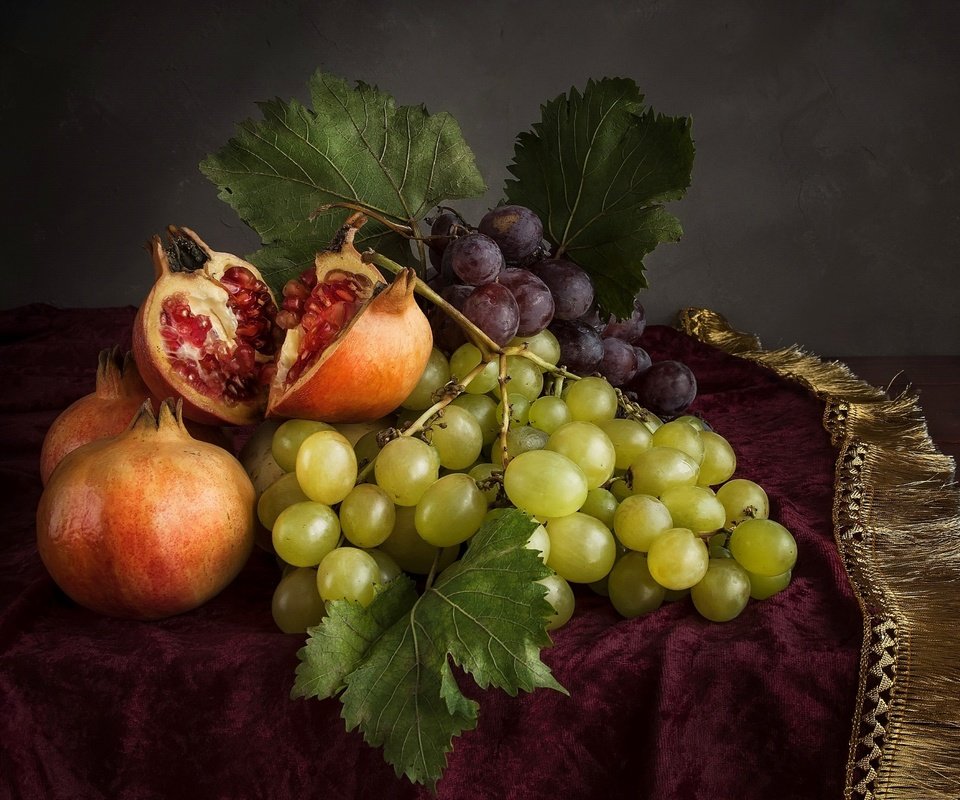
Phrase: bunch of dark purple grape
(501, 276)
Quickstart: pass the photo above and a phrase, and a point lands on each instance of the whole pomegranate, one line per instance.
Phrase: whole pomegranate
(354, 347)
(148, 523)
(206, 331)
(106, 411)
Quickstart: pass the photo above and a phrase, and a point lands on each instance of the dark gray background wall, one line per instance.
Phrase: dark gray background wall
(824, 208)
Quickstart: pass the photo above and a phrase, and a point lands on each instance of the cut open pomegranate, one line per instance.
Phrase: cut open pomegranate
(207, 332)
(355, 346)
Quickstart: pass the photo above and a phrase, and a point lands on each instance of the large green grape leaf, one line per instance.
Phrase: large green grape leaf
(390, 662)
(598, 168)
(354, 145)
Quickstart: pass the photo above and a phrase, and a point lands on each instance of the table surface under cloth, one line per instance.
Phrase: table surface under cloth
(831, 689)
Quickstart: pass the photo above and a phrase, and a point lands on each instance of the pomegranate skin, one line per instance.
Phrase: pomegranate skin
(106, 411)
(146, 524)
(369, 370)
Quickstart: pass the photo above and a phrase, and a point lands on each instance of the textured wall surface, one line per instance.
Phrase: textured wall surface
(824, 208)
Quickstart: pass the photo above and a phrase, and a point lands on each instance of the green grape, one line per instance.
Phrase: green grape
(450, 511)
(326, 467)
(288, 438)
(677, 559)
(694, 507)
(764, 586)
(482, 473)
(591, 400)
(410, 551)
(435, 376)
(588, 447)
(389, 568)
(639, 520)
(600, 504)
(719, 460)
(348, 573)
(484, 410)
(620, 489)
(367, 448)
(582, 549)
(405, 468)
(718, 545)
(548, 413)
(296, 603)
(680, 436)
(305, 532)
(545, 484)
(367, 515)
(629, 438)
(464, 359)
(524, 378)
(543, 344)
(763, 547)
(540, 541)
(722, 593)
(520, 439)
(283, 492)
(743, 499)
(560, 597)
(660, 468)
(631, 587)
(456, 436)
(519, 409)
(690, 419)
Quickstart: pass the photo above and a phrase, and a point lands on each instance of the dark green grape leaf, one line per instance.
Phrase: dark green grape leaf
(354, 145)
(390, 662)
(598, 168)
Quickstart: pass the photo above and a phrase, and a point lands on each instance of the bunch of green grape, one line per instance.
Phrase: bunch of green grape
(638, 509)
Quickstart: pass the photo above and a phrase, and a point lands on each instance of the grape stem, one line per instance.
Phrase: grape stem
(507, 409)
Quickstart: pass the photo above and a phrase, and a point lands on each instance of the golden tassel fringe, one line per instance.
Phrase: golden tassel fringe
(897, 527)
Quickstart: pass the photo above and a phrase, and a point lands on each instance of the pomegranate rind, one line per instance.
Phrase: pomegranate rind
(147, 524)
(368, 370)
(148, 347)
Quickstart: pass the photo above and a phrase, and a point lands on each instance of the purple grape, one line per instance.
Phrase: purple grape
(571, 287)
(493, 309)
(666, 388)
(533, 298)
(643, 359)
(592, 318)
(581, 348)
(447, 333)
(473, 258)
(517, 231)
(619, 362)
(630, 329)
(441, 230)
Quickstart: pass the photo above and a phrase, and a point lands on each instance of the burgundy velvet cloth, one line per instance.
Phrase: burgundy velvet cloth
(666, 706)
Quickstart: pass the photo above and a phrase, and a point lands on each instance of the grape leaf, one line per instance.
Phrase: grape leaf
(597, 168)
(355, 145)
(389, 663)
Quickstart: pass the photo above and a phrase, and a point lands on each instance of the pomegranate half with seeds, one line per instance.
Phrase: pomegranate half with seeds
(355, 346)
(206, 332)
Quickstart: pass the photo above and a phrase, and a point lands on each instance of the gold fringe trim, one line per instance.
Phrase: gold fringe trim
(896, 521)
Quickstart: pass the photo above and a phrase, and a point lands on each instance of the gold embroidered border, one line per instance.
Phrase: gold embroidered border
(897, 527)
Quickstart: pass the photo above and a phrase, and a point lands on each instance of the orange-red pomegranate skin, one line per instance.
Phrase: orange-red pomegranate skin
(146, 524)
(106, 411)
(370, 369)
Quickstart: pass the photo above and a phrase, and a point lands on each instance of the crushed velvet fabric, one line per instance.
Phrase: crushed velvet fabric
(665, 706)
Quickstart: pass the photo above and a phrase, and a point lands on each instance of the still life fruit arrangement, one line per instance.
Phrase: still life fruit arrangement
(450, 426)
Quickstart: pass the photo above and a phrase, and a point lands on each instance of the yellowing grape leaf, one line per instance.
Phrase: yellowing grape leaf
(354, 145)
(597, 169)
(390, 662)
